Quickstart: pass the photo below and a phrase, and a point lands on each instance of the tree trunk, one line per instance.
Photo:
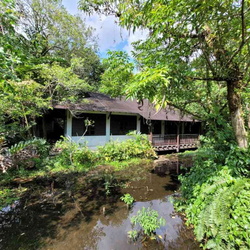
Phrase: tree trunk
(44, 127)
(248, 116)
(235, 109)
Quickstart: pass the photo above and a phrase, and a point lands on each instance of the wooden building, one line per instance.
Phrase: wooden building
(113, 118)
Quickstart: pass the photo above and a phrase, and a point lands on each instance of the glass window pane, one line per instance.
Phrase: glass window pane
(122, 124)
(98, 127)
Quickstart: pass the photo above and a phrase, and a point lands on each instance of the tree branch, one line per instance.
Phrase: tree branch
(243, 34)
(208, 62)
(217, 79)
(243, 23)
(47, 49)
(198, 117)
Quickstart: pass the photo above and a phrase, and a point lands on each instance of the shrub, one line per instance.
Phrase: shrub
(139, 147)
(7, 196)
(128, 199)
(148, 219)
(10, 195)
(133, 234)
(27, 154)
(73, 155)
(216, 198)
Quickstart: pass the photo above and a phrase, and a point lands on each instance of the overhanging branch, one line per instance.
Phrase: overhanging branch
(244, 40)
(217, 79)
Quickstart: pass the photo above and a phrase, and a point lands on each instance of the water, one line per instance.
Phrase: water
(89, 219)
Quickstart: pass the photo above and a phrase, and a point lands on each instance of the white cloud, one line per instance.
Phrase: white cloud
(110, 35)
(133, 37)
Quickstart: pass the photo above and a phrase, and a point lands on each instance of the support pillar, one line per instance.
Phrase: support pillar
(44, 127)
(138, 124)
(178, 138)
(68, 124)
(108, 117)
(182, 128)
(150, 137)
(162, 128)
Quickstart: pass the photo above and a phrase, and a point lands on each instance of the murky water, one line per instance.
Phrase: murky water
(89, 219)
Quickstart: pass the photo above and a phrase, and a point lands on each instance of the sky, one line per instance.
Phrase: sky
(109, 35)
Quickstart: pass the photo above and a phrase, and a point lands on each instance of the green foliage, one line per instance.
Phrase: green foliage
(9, 47)
(117, 74)
(109, 180)
(73, 155)
(46, 55)
(141, 86)
(26, 154)
(239, 162)
(133, 234)
(128, 199)
(8, 196)
(148, 219)
(40, 145)
(216, 197)
(52, 34)
(195, 57)
(62, 84)
(121, 165)
(139, 146)
(88, 68)
(21, 104)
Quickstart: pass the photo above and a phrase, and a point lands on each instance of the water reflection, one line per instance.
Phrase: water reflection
(92, 220)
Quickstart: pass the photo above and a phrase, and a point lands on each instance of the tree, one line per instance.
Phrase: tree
(20, 107)
(197, 44)
(118, 73)
(9, 47)
(50, 30)
(62, 84)
(50, 34)
(46, 56)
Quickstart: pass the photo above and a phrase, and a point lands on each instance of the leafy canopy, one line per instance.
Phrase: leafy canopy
(46, 55)
(196, 56)
(194, 40)
(118, 73)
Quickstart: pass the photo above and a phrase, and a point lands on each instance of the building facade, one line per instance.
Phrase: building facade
(100, 119)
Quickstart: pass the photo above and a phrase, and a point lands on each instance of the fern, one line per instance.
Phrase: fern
(217, 202)
(36, 142)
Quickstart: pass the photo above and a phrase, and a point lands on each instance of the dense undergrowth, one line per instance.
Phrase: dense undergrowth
(26, 161)
(216, 197)
(80, 157)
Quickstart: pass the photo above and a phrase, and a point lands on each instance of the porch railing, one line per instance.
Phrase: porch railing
(172, 139)
(159, 140)
(189, 138)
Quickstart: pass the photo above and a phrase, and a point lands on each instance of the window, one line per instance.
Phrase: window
(122, 124)
(156, 127)
(192, 128)
(145, 126)
(98, 127)
(171, 127)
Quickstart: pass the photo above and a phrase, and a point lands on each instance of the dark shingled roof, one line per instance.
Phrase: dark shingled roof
(103, 103)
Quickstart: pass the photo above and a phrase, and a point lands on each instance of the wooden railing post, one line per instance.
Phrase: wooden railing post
(150, 127)
(150, 137)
